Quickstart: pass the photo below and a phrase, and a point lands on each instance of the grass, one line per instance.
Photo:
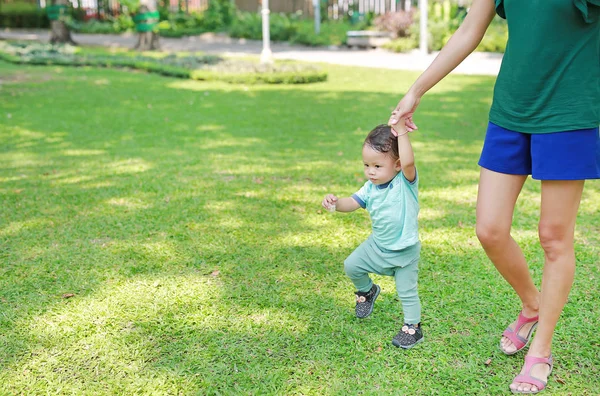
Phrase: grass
(183, 218)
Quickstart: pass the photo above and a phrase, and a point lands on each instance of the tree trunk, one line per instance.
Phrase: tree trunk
(147, 41)
(59, 31)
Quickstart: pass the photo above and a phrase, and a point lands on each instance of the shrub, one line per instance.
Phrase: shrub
(495, 38)
(398, 23)
(402, 44)
(198, 67)
(23, 15)
(246, 25)
(219, 15)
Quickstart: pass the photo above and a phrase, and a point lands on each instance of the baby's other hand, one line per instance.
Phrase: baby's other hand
(329, 202)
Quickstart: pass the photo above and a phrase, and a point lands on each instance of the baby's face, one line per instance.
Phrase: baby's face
(380, 168)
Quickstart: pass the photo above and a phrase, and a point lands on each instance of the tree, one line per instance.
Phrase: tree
(146, 17)
(59, 31)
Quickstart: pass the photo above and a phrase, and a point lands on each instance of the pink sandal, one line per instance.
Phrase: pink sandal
(527, 378)
(513, 335)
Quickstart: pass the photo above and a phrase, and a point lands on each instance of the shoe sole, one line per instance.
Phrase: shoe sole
(397, 344)
(372, 306)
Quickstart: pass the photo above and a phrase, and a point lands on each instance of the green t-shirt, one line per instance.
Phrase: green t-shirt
(549, 80)
(394, 209)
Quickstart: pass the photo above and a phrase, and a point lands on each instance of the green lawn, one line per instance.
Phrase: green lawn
(185, 218)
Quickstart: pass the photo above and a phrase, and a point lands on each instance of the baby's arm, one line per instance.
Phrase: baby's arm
(340, 204)
(405, 152)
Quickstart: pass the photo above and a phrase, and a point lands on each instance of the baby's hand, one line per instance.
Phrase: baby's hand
(329, 202)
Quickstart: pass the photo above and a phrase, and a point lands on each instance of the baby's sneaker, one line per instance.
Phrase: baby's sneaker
(409, 336)
(365, 301)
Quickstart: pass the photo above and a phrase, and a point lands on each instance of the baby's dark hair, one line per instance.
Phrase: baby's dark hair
(381, 139)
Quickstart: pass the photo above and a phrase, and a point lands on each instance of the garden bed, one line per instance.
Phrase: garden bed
(192, 66)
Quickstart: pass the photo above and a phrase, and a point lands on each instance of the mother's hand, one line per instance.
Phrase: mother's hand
(405, 110)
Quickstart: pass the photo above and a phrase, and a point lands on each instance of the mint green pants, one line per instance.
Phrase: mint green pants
(403, 265)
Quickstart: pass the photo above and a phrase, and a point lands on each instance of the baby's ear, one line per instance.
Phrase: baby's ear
(398, 165)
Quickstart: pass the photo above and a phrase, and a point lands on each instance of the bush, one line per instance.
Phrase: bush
(23, 15)
(93, 27)
(198, 67)
(401, 44)
(282, 27)
(291, 28)
(249, 25)
(219, 15)
(495, 38)
(398, 23)
(246, 25)
(306, 34)
(181, 24)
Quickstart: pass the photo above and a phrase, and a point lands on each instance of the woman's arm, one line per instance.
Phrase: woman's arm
(461, 44)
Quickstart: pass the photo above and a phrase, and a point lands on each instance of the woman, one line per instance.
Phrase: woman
(544, 122)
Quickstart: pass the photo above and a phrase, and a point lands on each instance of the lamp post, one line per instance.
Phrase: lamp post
(266, 56)
(423, 27)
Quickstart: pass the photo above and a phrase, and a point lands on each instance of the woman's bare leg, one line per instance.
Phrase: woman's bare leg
(496, 200)
(560, 204)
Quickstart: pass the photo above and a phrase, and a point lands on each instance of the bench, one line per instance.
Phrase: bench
(367, 38)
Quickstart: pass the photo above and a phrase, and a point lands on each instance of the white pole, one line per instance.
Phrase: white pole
(317, 12)
(266, 56)
(423, 27)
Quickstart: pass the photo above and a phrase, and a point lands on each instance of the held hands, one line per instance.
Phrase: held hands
(330, 202)
(404, 112)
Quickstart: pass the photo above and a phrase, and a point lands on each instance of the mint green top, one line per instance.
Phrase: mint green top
(549, 80)
(394, 208)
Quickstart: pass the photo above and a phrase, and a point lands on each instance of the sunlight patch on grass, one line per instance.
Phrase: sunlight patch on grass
(100, 184)
(428, 213)
(463, 175)
(16, 227)
(209, 128)
(229, 143)
(231, 222)
(448, 151)
(22, 159)
(456, 237)
(23, 134)
(129, 202)
(13, 178)
(82, 153)
(220, 206)
(205, 87)
(132, 165)
(459, 194)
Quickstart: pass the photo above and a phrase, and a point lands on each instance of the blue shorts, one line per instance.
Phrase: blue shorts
(570, 155)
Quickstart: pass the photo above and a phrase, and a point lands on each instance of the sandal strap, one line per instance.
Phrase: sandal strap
(513, 334)
(527, 378)
(523, 320)
(531, 361)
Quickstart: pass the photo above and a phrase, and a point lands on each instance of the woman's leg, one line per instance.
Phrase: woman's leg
(560, 203)
(496, 200)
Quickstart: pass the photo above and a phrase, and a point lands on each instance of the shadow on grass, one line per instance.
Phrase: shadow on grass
(185, 218)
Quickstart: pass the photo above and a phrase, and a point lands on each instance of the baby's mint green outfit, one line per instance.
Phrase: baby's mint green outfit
(393, 248)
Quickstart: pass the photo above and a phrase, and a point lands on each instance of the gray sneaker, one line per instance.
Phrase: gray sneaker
(409, 336)
(365, 301)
